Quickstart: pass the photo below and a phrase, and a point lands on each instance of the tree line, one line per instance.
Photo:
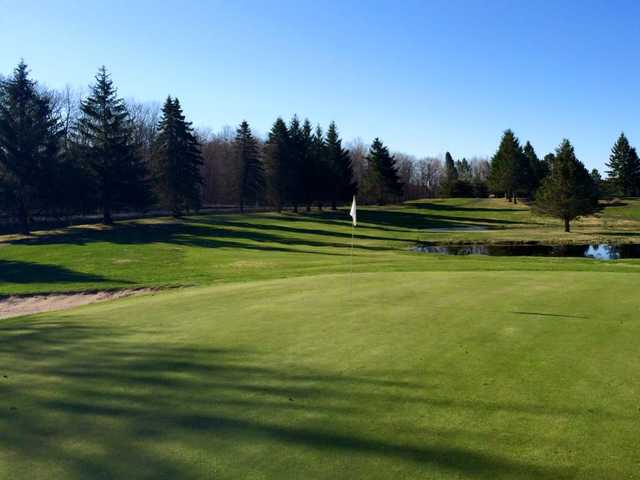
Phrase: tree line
(61, 156)
(559, 184)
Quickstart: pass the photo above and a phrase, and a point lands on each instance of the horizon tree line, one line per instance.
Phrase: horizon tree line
(559, 184)
(59, 158)
(62, 156)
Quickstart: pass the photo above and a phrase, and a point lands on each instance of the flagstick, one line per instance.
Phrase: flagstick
(351, 274)
(353, 215)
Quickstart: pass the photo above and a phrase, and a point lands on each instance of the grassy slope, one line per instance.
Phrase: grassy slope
(436, 367)
(418, 375)
(209, 249)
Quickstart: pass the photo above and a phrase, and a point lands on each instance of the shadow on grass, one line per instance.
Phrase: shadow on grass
(14, 271)
(403, 220)
(280, 233)
(540, 314)
(208, 232)
(460, 208)
(117, 406)
(417, 221)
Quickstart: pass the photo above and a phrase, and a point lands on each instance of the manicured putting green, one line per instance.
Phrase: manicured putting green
(435, 375)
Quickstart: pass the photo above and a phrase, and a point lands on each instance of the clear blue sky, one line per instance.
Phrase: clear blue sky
(425, 76)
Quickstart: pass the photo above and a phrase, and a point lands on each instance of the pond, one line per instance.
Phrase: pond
(600, 251)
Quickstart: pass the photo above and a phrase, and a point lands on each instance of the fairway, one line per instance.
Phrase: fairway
(270, 361)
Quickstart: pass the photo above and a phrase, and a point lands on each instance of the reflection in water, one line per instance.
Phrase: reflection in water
(599, 251)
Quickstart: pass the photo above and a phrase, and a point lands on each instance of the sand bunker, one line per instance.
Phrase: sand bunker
(21, 305)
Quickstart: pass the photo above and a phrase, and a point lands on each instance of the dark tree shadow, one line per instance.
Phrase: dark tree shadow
(540, 314)
(407, 221)
(119, 399)
(14, 271)
(195, 232)
(436, 206)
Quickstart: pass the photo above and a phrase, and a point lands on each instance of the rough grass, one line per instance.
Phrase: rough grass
(278, 365)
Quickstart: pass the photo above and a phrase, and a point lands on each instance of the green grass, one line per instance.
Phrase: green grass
(417, 375)
(203, 250)
(277, 365)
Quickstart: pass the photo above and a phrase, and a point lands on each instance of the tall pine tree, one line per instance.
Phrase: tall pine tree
(30, 140)
(177, 161)
(505, 176)
(568, 192)
(294, 191)
(277, 164)
(308, 165)
(105, 139)
(342, 186)
(382, 181)
(534, 170)
(251, 169)
(450, 176)
(624, 167)
(321, 169)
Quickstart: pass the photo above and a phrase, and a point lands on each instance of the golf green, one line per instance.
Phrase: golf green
(393, 375)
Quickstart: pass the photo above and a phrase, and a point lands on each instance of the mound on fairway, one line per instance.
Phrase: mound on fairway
(435, 375)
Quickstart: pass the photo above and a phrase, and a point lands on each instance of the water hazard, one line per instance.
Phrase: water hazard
(600, 251)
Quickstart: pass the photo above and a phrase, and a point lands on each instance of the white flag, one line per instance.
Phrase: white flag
(352, 212)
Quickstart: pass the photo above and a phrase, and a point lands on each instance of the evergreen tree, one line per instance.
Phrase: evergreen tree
(451, 176)
(296, 158)
(535, 170)
(624, 167)
(547, 162)
(321, 168)
(251, 169)
(105, 138)
(342, 186)
(568, 192)
(382, 179)
(308, 167)
(634, 162)
(30, 140)
(277, 163)
(597, 181)
(177, 161)
(506, 167)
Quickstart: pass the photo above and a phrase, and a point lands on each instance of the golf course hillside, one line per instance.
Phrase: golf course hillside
(293, 345)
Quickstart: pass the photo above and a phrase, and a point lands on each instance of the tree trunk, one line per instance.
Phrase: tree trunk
(308, 207)
(333, 205)
(515, 199)
(567, 228)
(241, 205)
(295, 208)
